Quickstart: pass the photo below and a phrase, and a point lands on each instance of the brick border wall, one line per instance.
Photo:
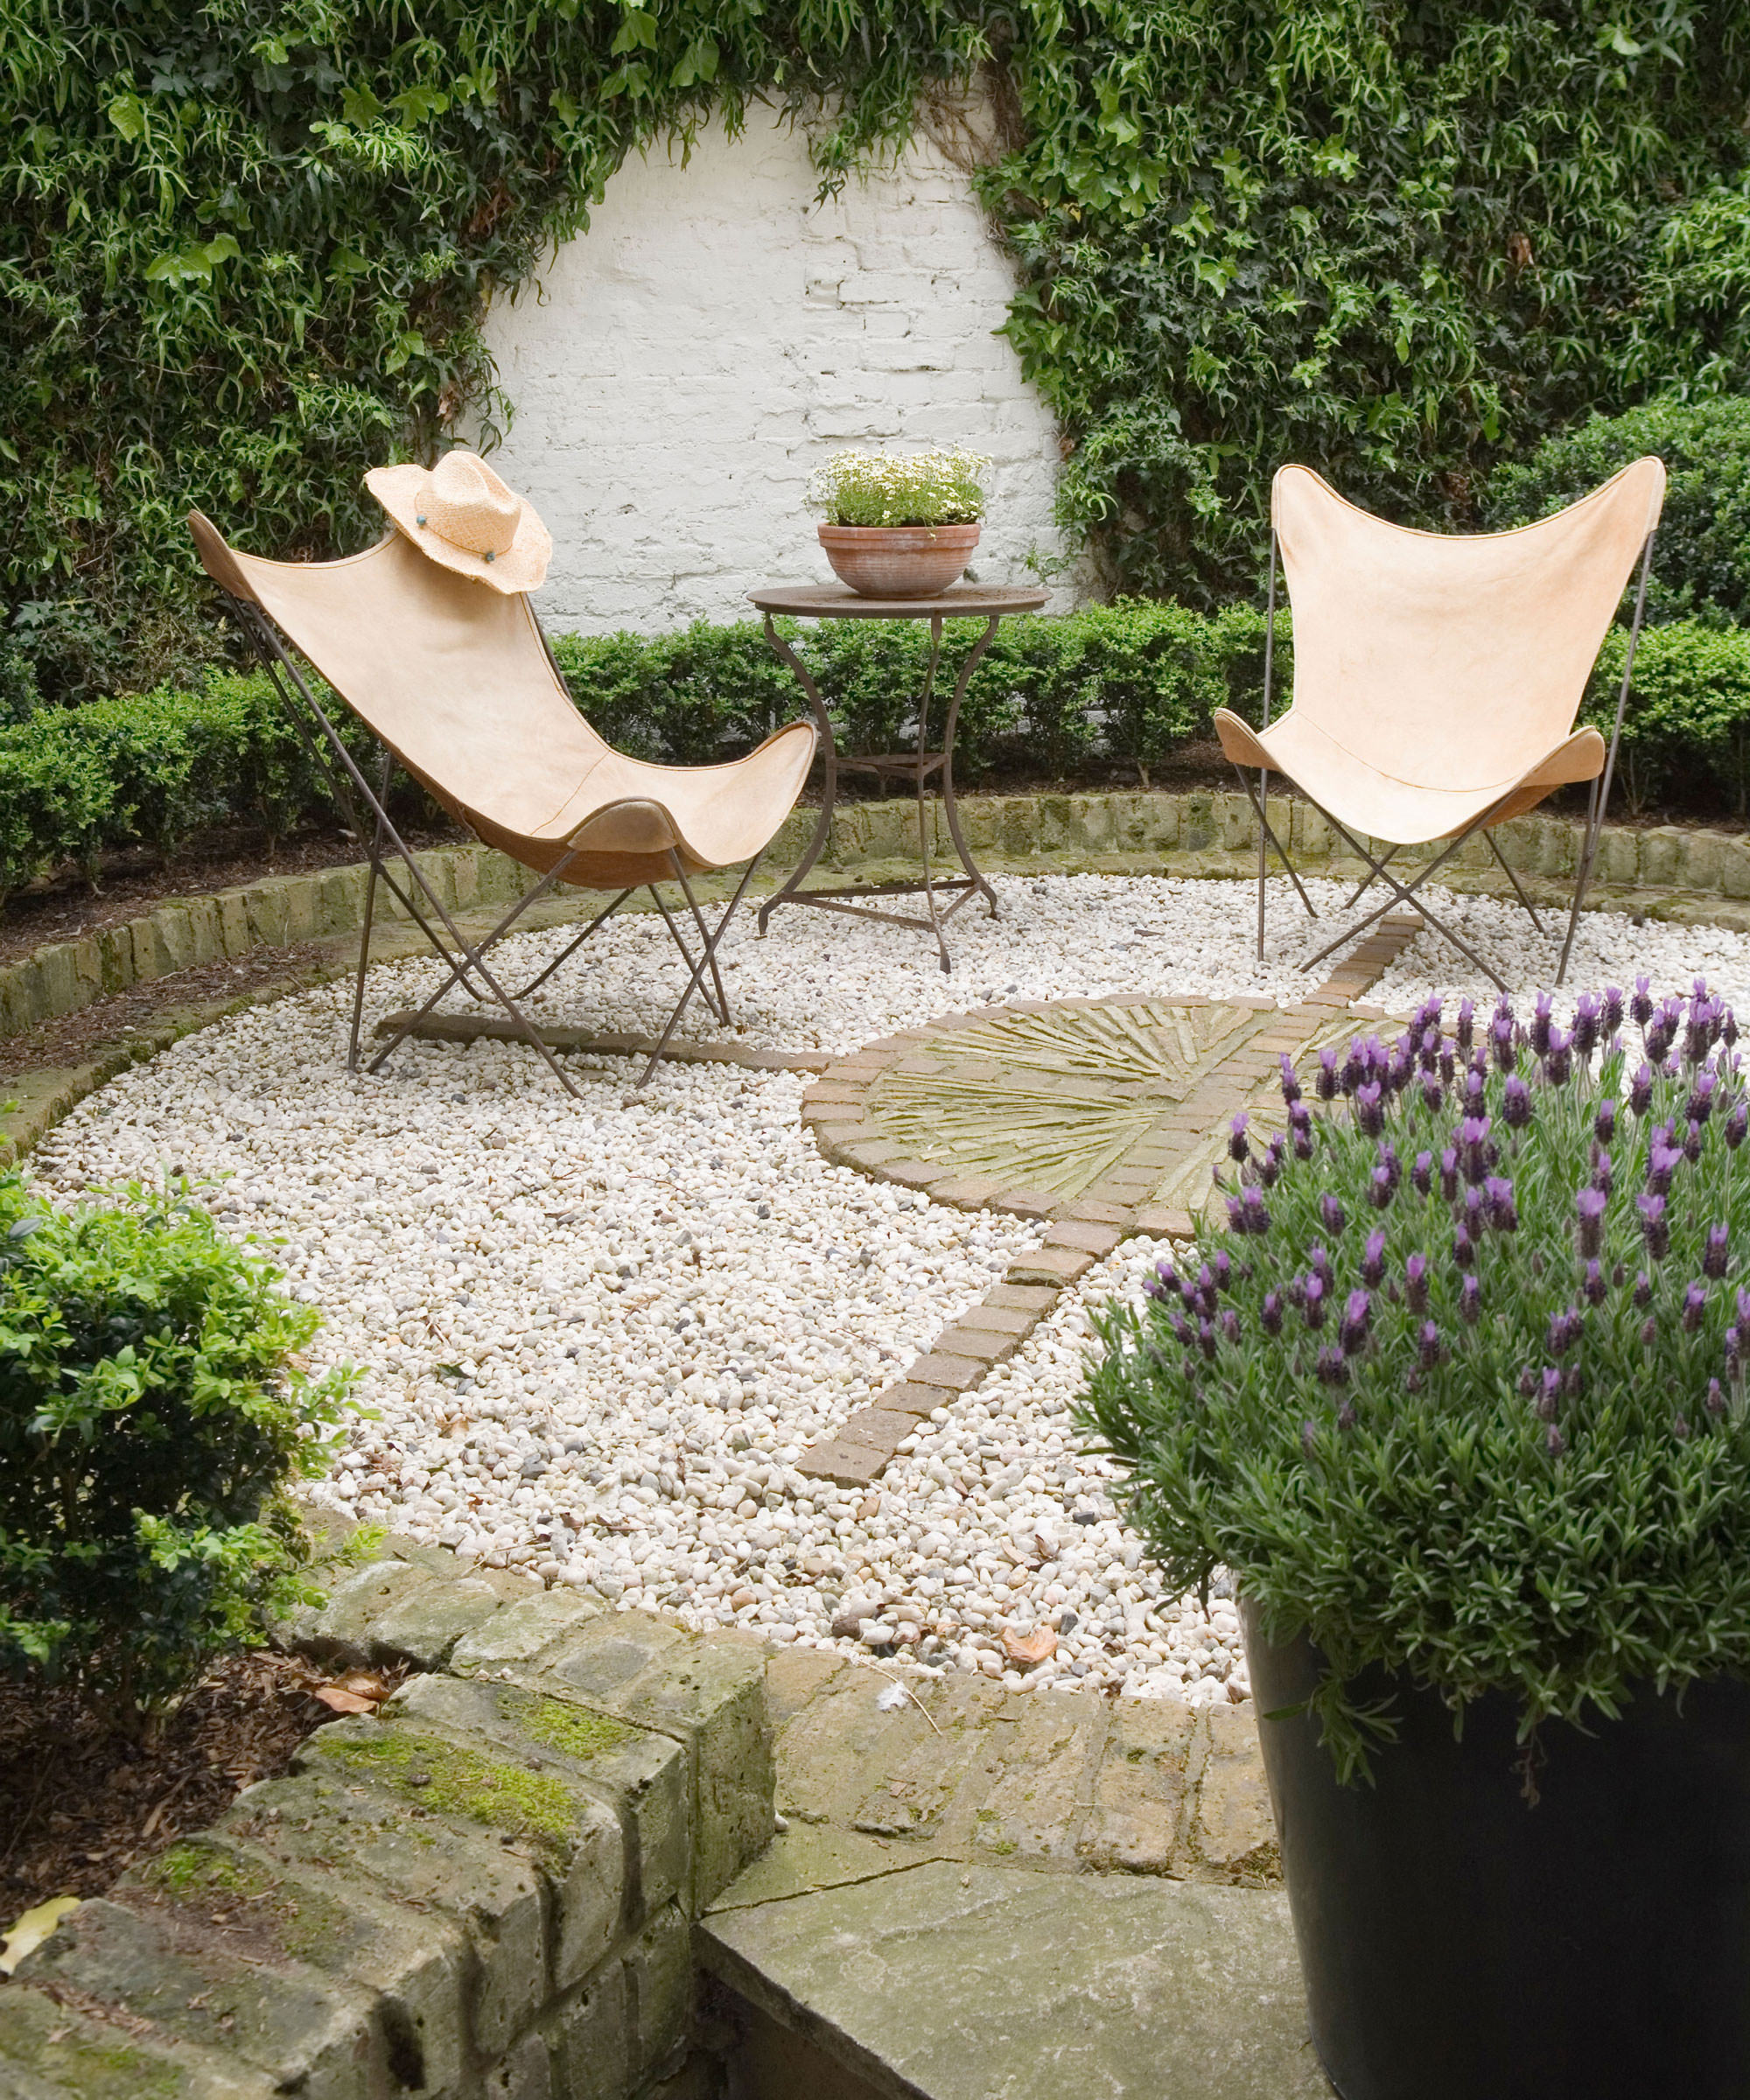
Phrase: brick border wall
(1666, 871)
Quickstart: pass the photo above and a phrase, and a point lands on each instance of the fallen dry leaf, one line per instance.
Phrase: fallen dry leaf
(344, 1701)
(1035, 1648)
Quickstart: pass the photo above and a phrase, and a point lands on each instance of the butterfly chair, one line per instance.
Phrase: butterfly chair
(458, 683)
(1437, 679)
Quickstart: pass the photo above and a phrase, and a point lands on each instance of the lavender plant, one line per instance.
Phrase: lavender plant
(1460, 1389)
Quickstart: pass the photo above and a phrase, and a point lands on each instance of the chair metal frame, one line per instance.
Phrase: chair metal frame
(1379, 869)
(366, 811)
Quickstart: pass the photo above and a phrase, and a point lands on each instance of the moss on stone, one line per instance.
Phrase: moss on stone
(560, 1726)
(452, 1780)
(301, 1922)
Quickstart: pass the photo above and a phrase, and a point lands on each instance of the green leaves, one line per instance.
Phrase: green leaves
(194, 264)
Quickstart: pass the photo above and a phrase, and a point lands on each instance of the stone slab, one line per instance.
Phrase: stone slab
(50, 2052)
(983, 1983)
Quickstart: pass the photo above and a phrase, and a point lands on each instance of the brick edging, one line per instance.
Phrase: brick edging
(1079, 1231)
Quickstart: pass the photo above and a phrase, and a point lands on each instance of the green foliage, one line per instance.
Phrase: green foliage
(1701, 559)
(1461, 1391)
(915, 488)
(1689, 712)
(152, 1410)
(1396, 244)
(247, 248)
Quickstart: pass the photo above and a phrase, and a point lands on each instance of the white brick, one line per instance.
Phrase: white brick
(715, 335)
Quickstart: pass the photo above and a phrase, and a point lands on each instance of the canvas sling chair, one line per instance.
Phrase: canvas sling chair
(1437, 679)
(458, 683)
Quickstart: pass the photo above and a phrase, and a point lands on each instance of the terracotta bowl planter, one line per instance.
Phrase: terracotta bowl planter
(899, 561)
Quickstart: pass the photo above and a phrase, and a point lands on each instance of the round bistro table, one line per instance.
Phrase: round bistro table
(834, 601)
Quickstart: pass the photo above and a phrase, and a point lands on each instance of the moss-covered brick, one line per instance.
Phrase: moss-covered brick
(528, 1800)
(50, 2052)
(363, 1833)
(312, 2034)
(222, 1890)
(709, 1693)
(522, 1630)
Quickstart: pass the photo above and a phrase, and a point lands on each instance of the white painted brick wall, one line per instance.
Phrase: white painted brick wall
(715, 335)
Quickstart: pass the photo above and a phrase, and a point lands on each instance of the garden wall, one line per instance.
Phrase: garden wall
(715, 335)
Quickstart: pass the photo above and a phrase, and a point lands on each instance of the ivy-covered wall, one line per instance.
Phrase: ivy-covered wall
(248, 245)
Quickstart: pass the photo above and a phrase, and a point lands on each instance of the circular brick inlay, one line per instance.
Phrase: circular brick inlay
(1107, 1109)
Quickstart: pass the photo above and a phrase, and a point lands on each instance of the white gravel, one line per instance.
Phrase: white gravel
(595, 1336)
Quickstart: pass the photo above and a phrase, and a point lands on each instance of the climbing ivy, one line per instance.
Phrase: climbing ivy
(248, 245)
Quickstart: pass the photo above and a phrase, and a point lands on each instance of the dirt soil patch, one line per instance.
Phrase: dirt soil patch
(81, 1806)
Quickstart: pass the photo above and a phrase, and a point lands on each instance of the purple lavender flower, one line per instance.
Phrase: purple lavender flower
(1320, 1262)
(1449, 1174)
(1655, 1226)
(1649, 1332)
(1515, 1111)
(1612, 1009)
(1500, 1042)
(1331, 1215)
(1565, 1331)
(1325, 1081)
(1498, 1206)
(1269, 1315)
(1713, 1261)
(1728, 1028)
(1549, 1395)
(1465, 1026)
(1181, 1329)
(1312, 1302)
(1695, 1308)
(1230, 1324)
(1586, 1012)
(1604, 1121)
(1715, 1399)
(1416, 1283)
(1704, 1023)
(1269, 1167)
(1464, 1249)
(1592, 1288)
(1591, 1204)
(1290, 1082)
(1379, 1188)
(1603, 1174)
(1702, 1097)
(1373, 1260)
(1368, 1113)
(1447, 1064)
(1734, 1351)
(1223, 1269)
(1433, 1094)
(1475, 1090)
(1421, 1174)
(1474, 1144)
(1554, 1442)
(1355, 1066)
(1205, 1339)
(1558, 1063)
(1332, 1367)
(1541, 1024)
(1346, 1417)
(1640, 1006)
(1661, 1164)
(1643, 1292)
(1428, 1051)
(1237, 1147)
(1351, 1330)
(1428, 1349)
(1641, 1091)
(1251, 1213)
(1470, 1300)
(1736, 1124)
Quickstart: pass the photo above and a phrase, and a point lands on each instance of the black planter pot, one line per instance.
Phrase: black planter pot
(1457, 1944)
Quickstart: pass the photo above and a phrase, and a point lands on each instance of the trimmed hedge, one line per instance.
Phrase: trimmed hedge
(1126, 682)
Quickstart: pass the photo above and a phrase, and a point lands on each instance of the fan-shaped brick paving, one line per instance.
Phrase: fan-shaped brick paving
(1103, 1116)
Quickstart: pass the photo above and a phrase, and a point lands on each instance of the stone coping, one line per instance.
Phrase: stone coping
(507, 1882)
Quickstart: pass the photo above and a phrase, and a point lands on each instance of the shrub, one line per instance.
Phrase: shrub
(915, 488)
(1688, 715)
(152, 1410)
(1701, 559)
(1460, 1389)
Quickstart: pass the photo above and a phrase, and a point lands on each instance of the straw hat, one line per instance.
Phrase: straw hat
(460, 513)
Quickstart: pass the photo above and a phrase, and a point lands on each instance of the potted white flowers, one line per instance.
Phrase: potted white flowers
(900, 527)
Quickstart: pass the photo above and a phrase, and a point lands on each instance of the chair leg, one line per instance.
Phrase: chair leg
(1367, 881)
(698, 969)
(680, 941)
(710, 951)
(1401, 894)
(1265, 833)
(559, 961)
(1518, 889)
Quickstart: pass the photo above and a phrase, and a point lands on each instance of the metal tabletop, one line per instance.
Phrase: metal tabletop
(835, 601)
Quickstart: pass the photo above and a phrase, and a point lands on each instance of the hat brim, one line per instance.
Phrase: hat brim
(522, 566)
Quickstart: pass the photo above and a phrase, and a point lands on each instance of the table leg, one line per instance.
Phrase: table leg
(923, 817)
(829, 750)
(950, 808)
